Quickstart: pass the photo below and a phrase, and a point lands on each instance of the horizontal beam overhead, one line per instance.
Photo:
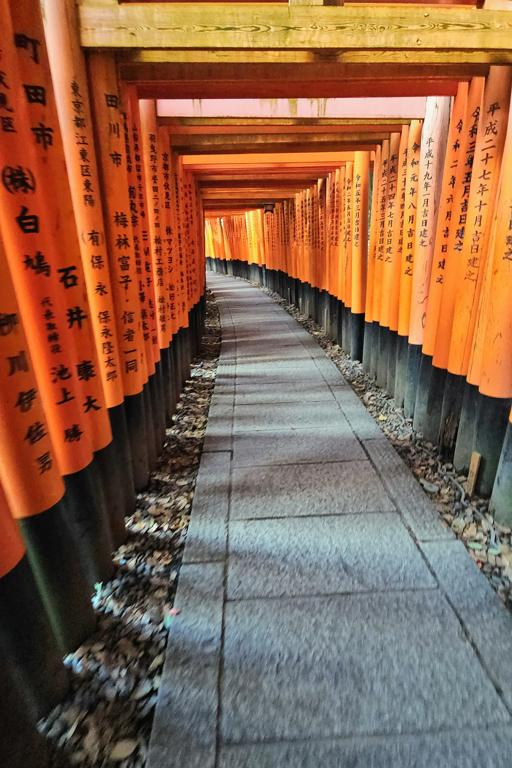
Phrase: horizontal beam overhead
(297, 146)
(240, 142)
(402, 29)
(291, 56)
(272, 86)
(164, 63)
(209, 184)
(281, 127)
(286, 108)
(268, 176)
(254, 194)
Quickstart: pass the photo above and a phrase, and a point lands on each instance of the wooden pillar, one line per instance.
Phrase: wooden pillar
(111, 151)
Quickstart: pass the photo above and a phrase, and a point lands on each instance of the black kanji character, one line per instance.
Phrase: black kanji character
(35, 94)
(68, 277)
(73, 434)
(85, 370)
(112, 100)
(35, 433)
(28, 43)
(75, 315)
(27, 222)
(8, 323)
(66, 396)
(16, 178)
(91, 404)
(37, 263)
(7, 123)
(44, 462)
(18, 363)
(60, 373)
(25, 400)
(120, 219)
(43, 134)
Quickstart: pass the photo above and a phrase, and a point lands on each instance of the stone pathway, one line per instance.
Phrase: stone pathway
(325, 614)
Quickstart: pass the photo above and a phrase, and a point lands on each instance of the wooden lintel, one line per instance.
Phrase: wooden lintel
(212, 211)
(280, 124)
(254, 194)
(321, 72)
(208, 184)
(298, 176)
(237, 143)
(274, 87)
(377, 127)
(436, 60)
(332, 146)
(403, 29)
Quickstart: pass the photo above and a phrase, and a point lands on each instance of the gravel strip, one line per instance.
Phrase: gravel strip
(488, 542)
(107, 718)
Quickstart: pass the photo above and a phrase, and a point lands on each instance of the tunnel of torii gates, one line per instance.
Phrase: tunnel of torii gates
(355, 158)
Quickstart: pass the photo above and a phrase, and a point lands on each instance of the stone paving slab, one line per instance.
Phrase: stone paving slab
(185, 726)
(219, 428)
(282, 392)
(328, 370)
(298, 368)
(322, 556)
(288, 416)
(468, 748)
(349, 487)
(207, 531)
(406, 492)
(485, 618)
(307, 667)
(302, 446)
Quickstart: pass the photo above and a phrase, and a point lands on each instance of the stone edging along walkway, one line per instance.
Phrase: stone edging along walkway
(324, 614)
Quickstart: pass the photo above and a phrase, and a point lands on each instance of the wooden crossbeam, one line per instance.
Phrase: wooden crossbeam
(275, 87)
(330, 111)
(315, 76)
(326, 62)
(263, 183)
(275, 143)
(479, 36)
(241, 141)
(299, 176)
(263, 126)
(278, 147)
(271, 193)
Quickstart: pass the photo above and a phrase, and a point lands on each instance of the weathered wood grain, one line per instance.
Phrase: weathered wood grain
(404, 29)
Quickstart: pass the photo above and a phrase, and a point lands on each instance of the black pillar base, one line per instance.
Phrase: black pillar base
(27, 641)
(454, 387)
(490, 428)
(422, 390)
(382, 357)
(151, 439)
(112, 476)
(374, 352)
(501, 499)
(357, 329)
(391, 373)
(402, 354)
(367, 346)
(87, 509)
(137, 433)
(121, 443)
(411, 378)
(466, 430)
(345, 329)
(54, 559)
(21, 746)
